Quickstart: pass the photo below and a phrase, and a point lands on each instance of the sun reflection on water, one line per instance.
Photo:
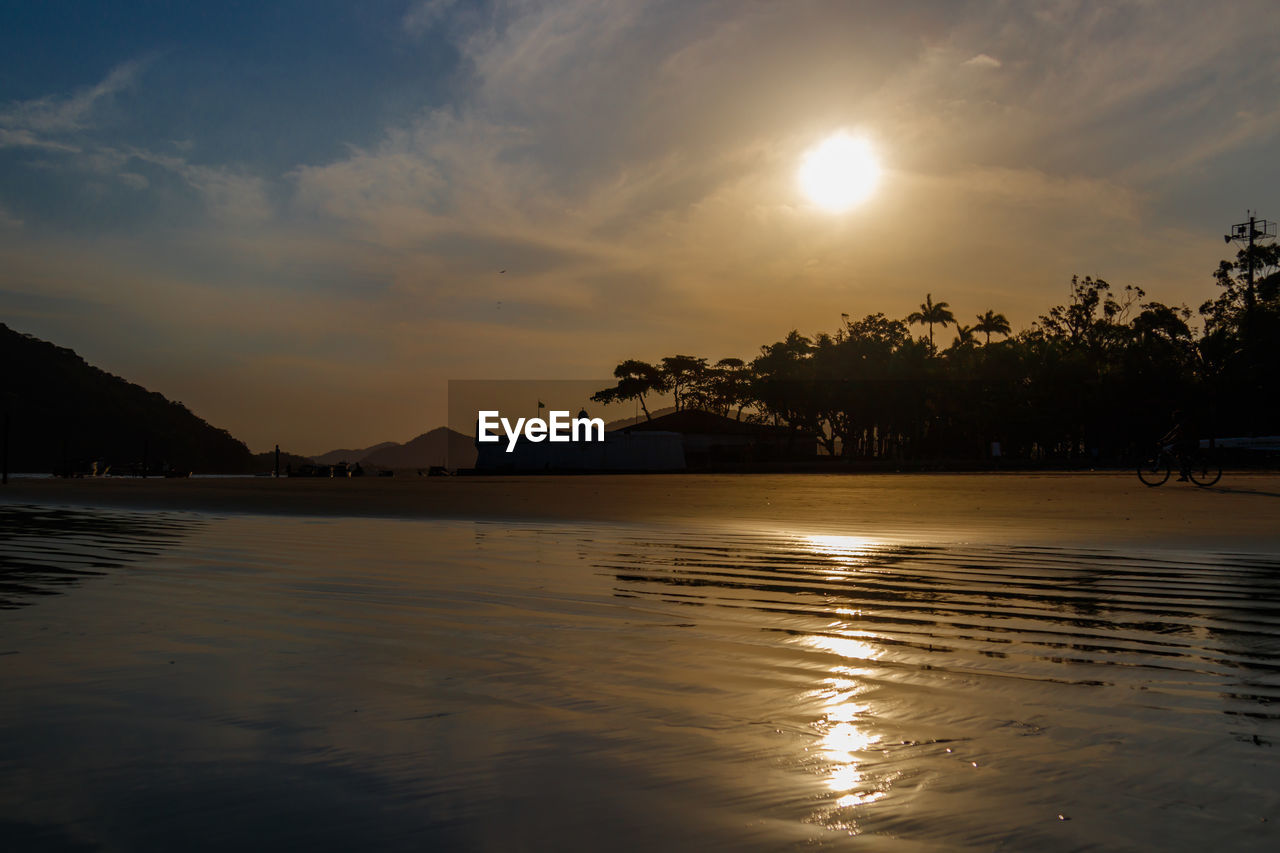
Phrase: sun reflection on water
(849, 744)
(842, 553)
(848, 644)
(846, 739)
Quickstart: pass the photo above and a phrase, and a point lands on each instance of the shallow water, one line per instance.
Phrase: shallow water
(183, 681)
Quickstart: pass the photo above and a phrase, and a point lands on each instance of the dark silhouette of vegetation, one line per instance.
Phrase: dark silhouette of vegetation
(636, 380)
(683, 373)
(992, 323)
(1092, 381)
(931, 314)
(1240, 347)
(65, 412)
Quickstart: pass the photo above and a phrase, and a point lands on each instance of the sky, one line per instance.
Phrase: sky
(302, 219)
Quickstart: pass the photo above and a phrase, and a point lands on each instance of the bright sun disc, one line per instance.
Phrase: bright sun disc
(839, 173)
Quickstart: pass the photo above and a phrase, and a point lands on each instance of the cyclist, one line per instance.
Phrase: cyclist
(1181, 441)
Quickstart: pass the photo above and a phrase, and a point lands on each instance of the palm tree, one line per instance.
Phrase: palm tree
(931, 314)
(992, 322)
(964, 334)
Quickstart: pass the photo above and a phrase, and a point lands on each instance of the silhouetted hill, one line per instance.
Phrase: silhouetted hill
(352, 456)
(264, 462)
(440, 446)
(626, 422)
(65, 411)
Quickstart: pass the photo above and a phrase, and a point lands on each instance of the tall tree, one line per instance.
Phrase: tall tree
(635, 380)
(1094, 320)
(1236, 297)
(721, 387)
(992, 323)
(782, 377)
(931, 314)
(681, 374)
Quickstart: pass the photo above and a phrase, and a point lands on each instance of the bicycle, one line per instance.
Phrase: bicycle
(1202, 468)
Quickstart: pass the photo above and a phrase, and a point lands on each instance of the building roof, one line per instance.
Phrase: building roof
(696, 421)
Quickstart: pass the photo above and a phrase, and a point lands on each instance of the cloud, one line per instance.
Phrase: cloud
(399, 174)
(632, 168)
(982, 60)
(52, 115)
(628, 142)
(133, 180)
(602, 142)
(423, 15)
(23, 138)
(232, 195)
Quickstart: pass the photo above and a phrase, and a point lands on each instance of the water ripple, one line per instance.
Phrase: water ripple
(343, 683)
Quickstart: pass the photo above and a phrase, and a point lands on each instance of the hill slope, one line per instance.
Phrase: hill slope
(353, 456)
(440, 446)
(64, 411)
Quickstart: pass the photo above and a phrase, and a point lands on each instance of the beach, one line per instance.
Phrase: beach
(863, 307)
(1106, 508)
(902, 663)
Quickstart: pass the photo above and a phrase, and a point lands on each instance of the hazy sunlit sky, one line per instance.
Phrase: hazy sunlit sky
(293, 217)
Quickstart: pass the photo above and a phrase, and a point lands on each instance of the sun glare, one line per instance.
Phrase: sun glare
(839, 173)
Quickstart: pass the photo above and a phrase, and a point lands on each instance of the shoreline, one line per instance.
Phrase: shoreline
(1096, 508)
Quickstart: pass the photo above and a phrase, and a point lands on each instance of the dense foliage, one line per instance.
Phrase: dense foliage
(1094, 380)
(64, 412)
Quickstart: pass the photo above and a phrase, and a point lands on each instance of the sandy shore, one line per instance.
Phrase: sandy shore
(1243, 513)
(260, 675)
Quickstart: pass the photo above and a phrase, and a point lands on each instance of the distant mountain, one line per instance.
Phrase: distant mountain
(440, 446)
(265, 462)
(353, 456)
(626, 422)
(65, 412)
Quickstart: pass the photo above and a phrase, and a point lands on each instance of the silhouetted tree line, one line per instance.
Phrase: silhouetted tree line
(65, 412)
(1094, 380)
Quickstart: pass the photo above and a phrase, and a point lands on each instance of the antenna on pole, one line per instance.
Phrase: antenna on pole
(1247, 234)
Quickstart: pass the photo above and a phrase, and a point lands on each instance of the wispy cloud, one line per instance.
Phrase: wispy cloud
(64, 126)
(24, 138)
(983, 60)
(231, 194)
(52, 115)
(424, 14)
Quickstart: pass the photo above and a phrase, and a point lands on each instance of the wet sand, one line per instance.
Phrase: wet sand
(1241, 513)
(759, 662)
(194, 681)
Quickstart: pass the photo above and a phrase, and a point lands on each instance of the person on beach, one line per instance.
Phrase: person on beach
(1182, 442)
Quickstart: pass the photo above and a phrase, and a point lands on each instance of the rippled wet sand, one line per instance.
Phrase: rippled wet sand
(194, 681)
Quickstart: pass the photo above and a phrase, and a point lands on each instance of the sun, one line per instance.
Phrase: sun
(839, 173)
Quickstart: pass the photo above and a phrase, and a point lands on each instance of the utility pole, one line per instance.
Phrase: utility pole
(1247, 234)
